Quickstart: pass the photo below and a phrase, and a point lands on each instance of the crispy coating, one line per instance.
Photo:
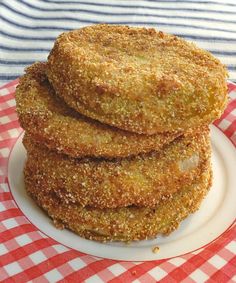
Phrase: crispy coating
(142, 180)
(137, 79)
(122, 224)
(60, 128)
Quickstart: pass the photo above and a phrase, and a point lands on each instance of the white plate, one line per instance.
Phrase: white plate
(216, 213)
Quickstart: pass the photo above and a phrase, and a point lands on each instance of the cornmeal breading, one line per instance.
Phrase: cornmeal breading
(142, 180)
(117, 130)
(57, 126)
(126, 223)
(137, 79)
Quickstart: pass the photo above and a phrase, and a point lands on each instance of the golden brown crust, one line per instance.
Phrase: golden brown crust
(141, 180)
(60, 128)
(137, 79)
(122, 224)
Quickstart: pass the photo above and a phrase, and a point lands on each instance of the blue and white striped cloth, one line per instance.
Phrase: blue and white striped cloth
(28, 28)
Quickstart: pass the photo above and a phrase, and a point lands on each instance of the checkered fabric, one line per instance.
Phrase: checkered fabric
(26, 254)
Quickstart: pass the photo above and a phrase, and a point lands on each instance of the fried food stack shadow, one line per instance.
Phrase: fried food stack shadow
(117, 130)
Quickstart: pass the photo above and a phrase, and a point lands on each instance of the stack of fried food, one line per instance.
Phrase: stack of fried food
(116, 130)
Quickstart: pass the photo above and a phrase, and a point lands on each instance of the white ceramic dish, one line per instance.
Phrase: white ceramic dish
(216, 214)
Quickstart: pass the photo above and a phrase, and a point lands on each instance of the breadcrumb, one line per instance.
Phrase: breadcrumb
(155, 249)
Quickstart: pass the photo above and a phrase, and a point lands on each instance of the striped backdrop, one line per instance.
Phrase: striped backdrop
(28, 28)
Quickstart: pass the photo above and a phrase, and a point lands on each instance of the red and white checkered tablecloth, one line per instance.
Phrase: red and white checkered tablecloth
(27, 254)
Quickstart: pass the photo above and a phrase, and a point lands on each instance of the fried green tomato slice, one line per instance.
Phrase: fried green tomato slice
(142, 180)
(137, 79)
(122, 224)
(52, 123)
